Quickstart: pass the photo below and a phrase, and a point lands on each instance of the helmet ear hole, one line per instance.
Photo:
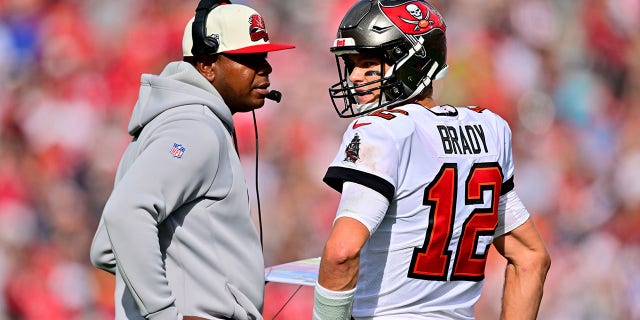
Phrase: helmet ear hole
(395, 53)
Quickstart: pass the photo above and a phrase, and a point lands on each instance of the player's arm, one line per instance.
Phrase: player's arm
(341, 255)
(527, 264)
(360, 212)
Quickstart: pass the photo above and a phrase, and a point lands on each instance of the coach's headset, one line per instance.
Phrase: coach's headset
(203, 44)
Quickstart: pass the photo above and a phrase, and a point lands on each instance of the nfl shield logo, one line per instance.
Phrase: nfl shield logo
(177, 150)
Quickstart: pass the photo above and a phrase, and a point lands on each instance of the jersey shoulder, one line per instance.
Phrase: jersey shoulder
(394, 123)
(483, 115)
(480, 112)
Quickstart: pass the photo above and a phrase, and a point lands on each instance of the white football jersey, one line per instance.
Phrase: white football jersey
(447, 173)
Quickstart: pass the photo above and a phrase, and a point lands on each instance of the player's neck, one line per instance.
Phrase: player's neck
(426, 102)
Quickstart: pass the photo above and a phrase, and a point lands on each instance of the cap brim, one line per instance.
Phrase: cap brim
(261, 48)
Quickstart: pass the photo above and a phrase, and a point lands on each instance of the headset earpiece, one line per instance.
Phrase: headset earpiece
(203, 44)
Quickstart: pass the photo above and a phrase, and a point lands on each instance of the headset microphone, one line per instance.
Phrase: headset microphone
(274, 95)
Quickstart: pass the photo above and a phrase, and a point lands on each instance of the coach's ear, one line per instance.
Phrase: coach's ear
(207, 67)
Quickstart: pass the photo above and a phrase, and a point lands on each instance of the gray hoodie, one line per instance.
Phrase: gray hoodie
(177, 229)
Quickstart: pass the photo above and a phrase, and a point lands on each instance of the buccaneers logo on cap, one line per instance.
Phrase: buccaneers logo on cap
(257, 28)
(415, 17)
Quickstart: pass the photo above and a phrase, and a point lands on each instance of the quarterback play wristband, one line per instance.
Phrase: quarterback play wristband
(332, 305)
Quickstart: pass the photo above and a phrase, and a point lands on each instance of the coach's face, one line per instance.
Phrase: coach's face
(241, 79)
(366, 68)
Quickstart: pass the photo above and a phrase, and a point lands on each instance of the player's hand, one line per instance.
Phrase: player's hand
(193, 318)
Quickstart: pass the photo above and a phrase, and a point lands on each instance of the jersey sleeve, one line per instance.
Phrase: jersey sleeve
(511, 211)
(363, 204)
(369, 156)
(506, 157)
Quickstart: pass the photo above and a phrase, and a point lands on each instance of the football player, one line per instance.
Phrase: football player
(426, 188)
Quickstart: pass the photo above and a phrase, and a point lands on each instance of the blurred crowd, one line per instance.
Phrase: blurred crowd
(564, 73)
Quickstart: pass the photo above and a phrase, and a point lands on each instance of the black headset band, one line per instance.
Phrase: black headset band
(203, 44)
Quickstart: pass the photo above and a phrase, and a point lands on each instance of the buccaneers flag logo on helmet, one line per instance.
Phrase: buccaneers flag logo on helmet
(414, 17)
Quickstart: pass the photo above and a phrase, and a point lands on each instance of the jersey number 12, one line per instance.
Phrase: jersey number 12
(432, 261)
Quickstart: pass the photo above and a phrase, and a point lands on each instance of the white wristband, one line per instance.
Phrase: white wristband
(332, 305)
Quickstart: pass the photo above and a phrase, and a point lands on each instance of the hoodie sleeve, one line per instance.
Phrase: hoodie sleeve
(101, 254)
(176, 165)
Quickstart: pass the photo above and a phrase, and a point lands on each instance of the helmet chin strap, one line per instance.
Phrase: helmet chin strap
(426, 81)
(442, 73)
(370, 105)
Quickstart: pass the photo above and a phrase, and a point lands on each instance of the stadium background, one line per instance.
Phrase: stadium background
(564, 73)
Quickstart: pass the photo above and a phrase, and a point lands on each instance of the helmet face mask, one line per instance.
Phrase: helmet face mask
(408, 35)
(346, 94)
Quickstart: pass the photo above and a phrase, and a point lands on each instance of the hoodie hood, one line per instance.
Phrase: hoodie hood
(179, 84)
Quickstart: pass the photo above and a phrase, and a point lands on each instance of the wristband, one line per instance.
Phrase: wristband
(332, 305)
